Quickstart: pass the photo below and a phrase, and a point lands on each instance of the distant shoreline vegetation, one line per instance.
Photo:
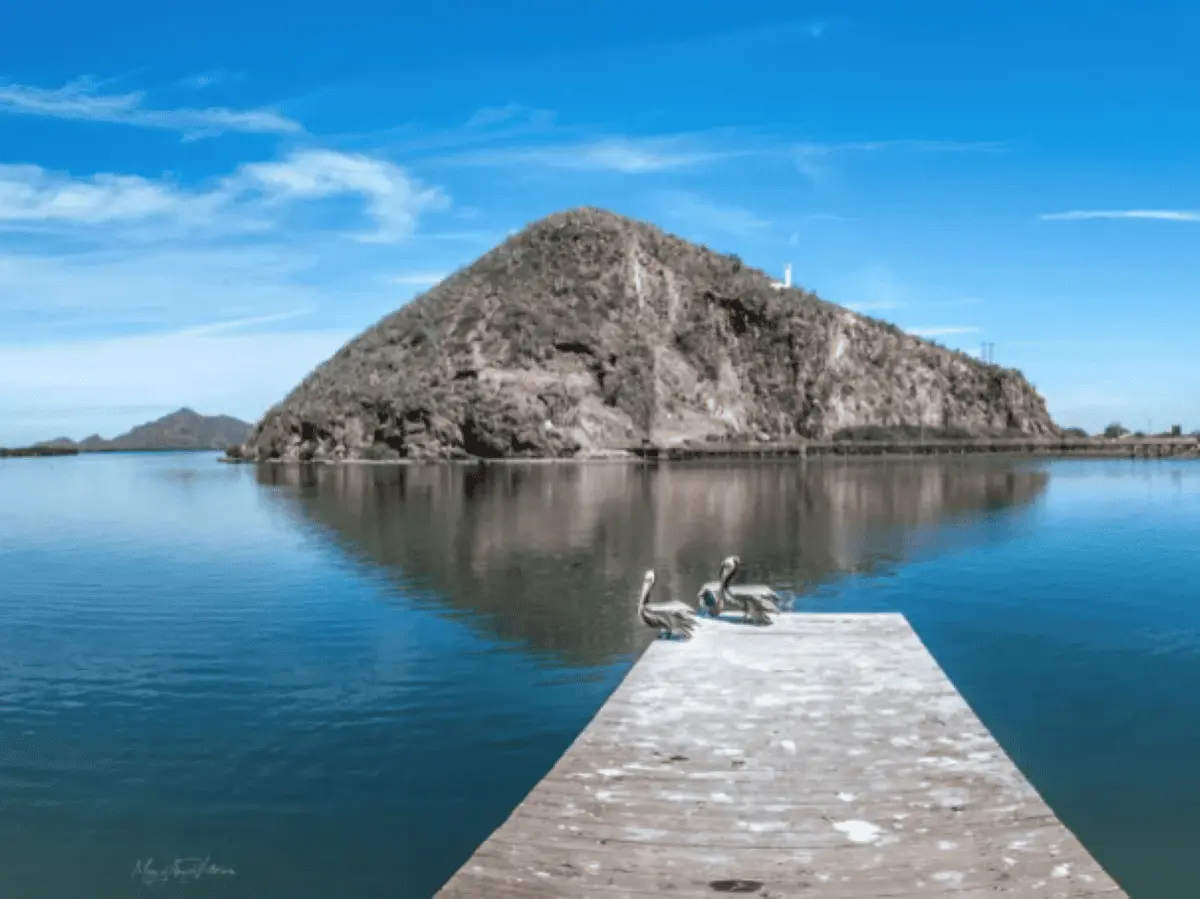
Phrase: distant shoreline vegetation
(35, 451)
(911, 433)
(917, 434)
(28, 451)
(867, 441)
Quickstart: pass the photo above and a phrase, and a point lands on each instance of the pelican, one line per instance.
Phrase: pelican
(756, 600)
(671, 618)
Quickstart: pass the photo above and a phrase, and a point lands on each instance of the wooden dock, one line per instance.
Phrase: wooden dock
(824, 756)
(1082, 447)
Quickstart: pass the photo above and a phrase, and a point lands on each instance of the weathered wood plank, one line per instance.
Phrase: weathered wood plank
(825, 755)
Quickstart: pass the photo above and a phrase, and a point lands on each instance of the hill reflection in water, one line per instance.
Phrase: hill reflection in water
(551, 555)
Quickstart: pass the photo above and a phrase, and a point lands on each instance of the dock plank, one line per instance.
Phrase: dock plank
(825, 755)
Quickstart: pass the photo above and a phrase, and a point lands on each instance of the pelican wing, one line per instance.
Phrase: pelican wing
(757, 605)
(674, 605)
(739, 592)
(674, 617)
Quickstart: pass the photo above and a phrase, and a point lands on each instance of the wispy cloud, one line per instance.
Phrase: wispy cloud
(1162, 215)
(394, 199)
(489, 125)
(700, 214)
(63, 293)
(875, 306)
(509, 114)
(941, 330)
(625, 155)
(238, 324)
(418, 279)
(201, 80)
(82, 100)
(919, 146)
(32, 194)
(814, 160)
(244, 200)
(775, 35)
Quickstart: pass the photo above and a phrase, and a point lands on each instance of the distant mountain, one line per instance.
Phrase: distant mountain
(182, 430)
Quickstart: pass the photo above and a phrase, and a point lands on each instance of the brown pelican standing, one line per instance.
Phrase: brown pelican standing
(671, 618)
(756, 600)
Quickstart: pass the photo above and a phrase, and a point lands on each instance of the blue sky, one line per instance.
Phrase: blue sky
(199, 204)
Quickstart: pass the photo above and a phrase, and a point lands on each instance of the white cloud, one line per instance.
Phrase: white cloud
(630, 156)
(243, 201)
(489, 116)
(811, 162)
(941, 330)
(418, 279)
(814, 160)
(775, 37)
(488, 125)
(49, 296)
(698, 213)
(1164, 215)
(924, 146)
(81, 100)
(393, 198)
(202, 80)
(32, 194)
(237, 324)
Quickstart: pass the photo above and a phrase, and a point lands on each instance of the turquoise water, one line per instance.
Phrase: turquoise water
(337, 682)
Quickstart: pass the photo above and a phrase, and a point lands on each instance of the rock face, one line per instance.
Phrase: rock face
(588, 331)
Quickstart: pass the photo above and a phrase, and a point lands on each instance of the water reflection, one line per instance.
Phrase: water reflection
(550, 555)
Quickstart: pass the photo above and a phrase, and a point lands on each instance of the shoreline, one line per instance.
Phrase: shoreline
(1099, 448)
(38, 452)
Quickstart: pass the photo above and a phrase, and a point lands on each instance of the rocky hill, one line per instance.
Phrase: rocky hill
(181, 430)
(588, 331)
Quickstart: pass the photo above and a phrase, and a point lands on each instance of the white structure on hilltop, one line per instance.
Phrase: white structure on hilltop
(787, 278)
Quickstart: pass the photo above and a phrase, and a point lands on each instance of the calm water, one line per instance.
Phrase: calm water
(336, 682)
